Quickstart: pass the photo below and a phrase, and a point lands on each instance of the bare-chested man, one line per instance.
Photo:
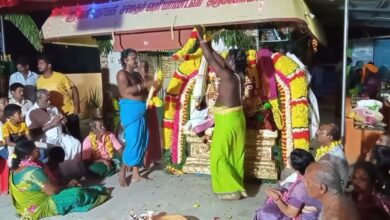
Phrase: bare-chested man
(227, 150)
(133, 90)
(323, 183)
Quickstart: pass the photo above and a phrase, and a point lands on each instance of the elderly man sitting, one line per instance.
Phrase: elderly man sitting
(47, 119)
(101, 150)
(323, 183)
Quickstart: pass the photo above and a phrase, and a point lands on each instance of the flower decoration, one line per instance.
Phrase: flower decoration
(325, 149)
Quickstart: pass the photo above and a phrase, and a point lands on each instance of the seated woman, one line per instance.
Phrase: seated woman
(365, 192)
(101, 150)
(293, 203)
(56, 155)
(35, 196)
(381, 159)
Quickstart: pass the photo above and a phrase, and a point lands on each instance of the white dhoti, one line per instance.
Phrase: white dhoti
(37, 118)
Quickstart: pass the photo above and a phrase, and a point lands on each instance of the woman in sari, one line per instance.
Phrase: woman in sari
(294, 202)
(369, 202)
(35, 196)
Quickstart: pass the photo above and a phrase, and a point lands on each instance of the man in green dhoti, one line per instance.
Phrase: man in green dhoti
(227, 150)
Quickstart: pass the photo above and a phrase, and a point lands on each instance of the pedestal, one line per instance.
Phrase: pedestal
(259, 162)
(198, 160)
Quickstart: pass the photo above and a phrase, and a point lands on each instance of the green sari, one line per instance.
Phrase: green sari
(101, 170)
(227, 152)
(32, 203)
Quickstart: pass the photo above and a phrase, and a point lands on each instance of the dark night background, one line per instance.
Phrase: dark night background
(66, 59)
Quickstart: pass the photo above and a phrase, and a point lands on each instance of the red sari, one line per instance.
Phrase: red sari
(154, 150)
(4, 171)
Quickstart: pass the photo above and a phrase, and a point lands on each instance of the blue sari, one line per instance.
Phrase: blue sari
(133, 118)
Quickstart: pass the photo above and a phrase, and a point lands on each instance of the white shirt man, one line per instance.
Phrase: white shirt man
(38, 118)
(28, 81)
(26, 105)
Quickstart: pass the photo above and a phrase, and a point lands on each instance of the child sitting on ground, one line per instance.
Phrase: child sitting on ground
(101, 150)
(14, 129)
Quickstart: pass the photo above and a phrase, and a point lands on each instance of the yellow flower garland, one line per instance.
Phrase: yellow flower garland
(325, 149)
(300, 114)
(187, 47)
(286, 65)
(107, 143)
(277, 114)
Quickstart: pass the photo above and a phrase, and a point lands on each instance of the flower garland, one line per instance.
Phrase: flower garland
(29, 163)
(287, 136)
(46, 170)
(175, 110)
(252, 68)
(184, 115)
(326, 149)
(106, 142)
(277, 114)
(190, 44)
(155, 100)
(181, 117)
(172, 100)
(292, 87)
(169, 112)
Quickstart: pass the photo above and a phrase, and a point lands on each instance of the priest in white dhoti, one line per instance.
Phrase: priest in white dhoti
(47, 119)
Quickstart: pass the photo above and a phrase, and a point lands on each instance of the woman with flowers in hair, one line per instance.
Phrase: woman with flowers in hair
(35, 196)
(101, 150)
(227, 150)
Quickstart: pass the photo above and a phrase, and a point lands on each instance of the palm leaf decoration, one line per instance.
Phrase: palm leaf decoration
(27, 26)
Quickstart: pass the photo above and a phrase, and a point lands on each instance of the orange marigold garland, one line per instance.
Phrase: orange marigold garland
(287, 138)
